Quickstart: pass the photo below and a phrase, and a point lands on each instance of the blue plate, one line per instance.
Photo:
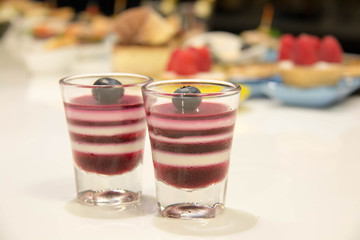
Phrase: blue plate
(256, 85)
(311, 97)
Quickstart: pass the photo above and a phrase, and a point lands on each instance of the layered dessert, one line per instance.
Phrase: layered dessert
(191, 149)
(106, 139)
(308, 61)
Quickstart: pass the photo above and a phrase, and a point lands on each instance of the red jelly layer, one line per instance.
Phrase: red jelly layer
(199, 147)
(191, 177)
(107, 164)
(206, 111)
(121, 138)
(173, 133)
(88, 102)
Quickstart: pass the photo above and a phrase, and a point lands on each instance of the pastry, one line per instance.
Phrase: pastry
(145, 42)
(307, 61)
(191, 62)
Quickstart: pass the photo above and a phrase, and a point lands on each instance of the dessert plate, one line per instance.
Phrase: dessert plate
(312, 97)
(228, 47)
(224, 46)
(256, 85)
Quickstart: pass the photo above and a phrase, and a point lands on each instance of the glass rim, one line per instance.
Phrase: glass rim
(235, 88)
(66, 80)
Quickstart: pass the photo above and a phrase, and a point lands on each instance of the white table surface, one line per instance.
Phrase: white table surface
(294, 173)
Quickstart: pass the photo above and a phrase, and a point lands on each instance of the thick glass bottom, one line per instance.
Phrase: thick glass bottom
(108, 198)
(191, 210)
(205, 202)
(108, 190)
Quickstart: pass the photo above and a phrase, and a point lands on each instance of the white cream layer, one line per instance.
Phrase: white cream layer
(190, 160)
(320, 65)
(105, 116)
(191, 139)
(120, 148)
(107, 130)
(191, 124)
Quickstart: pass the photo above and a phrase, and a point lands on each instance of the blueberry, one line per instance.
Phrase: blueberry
(188, 100)
(107, 95)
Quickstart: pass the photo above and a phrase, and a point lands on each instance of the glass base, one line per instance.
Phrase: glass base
(108, 198)
(205, 202)
(191, 210)
(108, 190)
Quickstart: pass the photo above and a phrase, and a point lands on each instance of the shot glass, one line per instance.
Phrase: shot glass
(191, 124)
(107, 128)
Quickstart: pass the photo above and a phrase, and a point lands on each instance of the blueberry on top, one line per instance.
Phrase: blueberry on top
(107, 95)
(188, 100)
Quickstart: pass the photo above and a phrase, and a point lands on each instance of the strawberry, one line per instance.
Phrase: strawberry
(172, 61)
(185, 62)
(203, 58)
(304, 51)
(286, 45)
(330, 50)
(316, 41)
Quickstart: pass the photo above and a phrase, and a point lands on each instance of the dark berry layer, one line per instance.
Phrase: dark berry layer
(206, 111)
(195, 148)
(89, 103)
(121, 138)
(191, 177)
(174, 133)
(107, 164)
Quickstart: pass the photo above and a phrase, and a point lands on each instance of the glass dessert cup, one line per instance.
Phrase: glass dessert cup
(106, 124)
(191, 136)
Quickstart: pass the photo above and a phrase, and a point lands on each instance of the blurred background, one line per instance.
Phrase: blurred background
(302, 43)
(296, 144)
(319, 17)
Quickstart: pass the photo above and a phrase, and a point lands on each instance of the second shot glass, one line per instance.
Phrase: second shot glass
(191, 124)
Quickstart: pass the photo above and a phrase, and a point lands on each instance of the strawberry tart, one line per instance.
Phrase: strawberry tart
(192, 62)
(308, 61)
